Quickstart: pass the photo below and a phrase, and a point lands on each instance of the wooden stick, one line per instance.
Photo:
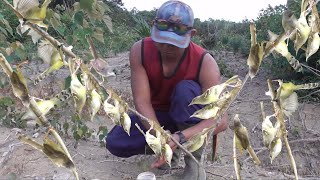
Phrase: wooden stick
(235, 160)
(263, 113)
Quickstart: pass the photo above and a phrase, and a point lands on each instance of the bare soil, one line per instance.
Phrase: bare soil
(19, 161)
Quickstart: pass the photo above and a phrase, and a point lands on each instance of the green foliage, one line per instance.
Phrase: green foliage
(86, 5)
(121, 40)
(8, 115)
(79, 128)
(8, 22)
(15, 51)
(147, 16)
(224, 70)
(279, 67)
(269, 19)
(6, 101)
(67, 82)
(87, 18)
(4, 80)
(102, 133)
(79, 17)
(142, 27)
(206, 31)
(295, 131)
(238, 42)
(12, 176)
(196, 39)
(5, 27)
(221, 34)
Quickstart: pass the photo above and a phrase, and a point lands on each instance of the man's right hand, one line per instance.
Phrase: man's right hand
(161, 161)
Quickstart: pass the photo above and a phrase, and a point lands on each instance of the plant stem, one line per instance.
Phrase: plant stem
(283, 130)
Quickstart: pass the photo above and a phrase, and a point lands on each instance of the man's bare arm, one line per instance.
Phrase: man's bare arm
(140, 85)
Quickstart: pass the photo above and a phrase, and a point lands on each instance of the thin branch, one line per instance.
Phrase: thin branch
(218, 175)
(254, 128)
(139, 128)
(239, 100)
(314, 92)
(305, 140)
(173, 139)
(263, 116)
(113, 161)
(13, 9)
(263, 113)
(52, 40)
(292, 177)
(291, 142)
(253, 155)
(34, 107)
(313, 70)
(91, 47)
(5, 65)
(260, 151)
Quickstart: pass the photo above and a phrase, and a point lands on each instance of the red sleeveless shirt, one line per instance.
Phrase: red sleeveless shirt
(161, 87)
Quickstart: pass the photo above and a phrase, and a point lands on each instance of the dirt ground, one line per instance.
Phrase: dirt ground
(19, 161)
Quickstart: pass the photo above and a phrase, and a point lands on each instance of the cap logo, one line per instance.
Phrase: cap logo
(175, 18)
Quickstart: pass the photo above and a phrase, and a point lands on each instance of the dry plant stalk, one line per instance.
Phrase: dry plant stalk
(263, 113)
(254, 155)
(33, 105)
(5, 65)
(283, 131)
(235, 160)
(62, 144)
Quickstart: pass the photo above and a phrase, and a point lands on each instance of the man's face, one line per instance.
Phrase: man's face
(168, 50)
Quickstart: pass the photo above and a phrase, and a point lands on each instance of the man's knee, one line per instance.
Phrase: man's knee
(115, 147)
(180, 111)
(120, 144)
(187, 89)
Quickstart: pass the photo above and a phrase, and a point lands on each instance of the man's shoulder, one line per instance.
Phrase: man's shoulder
(195, 48)
(142, 41)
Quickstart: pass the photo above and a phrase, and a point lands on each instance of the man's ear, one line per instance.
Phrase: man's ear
(193, 32)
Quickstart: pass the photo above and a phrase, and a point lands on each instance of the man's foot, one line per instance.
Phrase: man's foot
(192, 171)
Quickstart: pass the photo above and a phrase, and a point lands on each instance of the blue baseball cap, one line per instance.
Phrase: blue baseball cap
(174, 12)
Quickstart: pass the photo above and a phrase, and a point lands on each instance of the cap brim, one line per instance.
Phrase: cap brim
(170, 37)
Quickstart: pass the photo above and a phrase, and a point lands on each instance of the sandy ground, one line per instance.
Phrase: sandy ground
(19, 161)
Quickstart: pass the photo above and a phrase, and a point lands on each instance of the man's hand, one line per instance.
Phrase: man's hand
(161, 161)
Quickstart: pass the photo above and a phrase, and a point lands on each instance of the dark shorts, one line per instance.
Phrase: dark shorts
(119, 143)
